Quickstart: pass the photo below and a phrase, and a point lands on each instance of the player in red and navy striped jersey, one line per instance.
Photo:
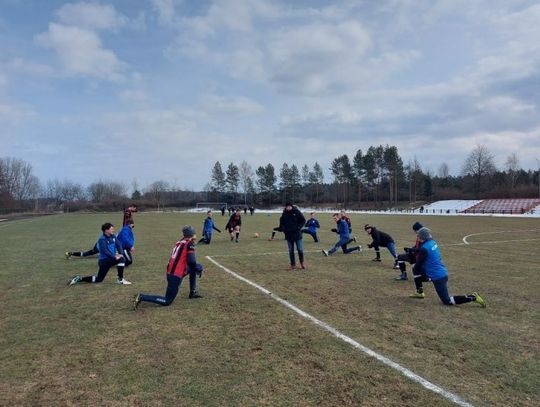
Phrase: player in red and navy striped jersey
(181, 263)
(128, 214)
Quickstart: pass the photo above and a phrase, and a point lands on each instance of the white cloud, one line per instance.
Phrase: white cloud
(82, 53)
(165, 10)
(134, 96)
(14, 114)
(91, 16)
(238, 105)
(23, 66)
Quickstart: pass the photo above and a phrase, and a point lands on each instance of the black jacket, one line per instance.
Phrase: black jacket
(291, 223)
(380, 239)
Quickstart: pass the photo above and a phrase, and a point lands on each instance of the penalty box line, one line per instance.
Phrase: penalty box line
(383, 359)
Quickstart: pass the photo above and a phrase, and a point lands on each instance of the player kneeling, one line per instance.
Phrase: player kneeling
(181, 263)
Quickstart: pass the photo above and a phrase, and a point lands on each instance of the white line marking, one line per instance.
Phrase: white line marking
(493, 233)
(383, 359)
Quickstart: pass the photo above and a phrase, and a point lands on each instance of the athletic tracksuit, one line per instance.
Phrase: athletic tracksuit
(127, 239)
(311, 228)
(381, 239)
(429, 267)
(409, 256)
(108, 247)
(208, 228)
(344, 238)
(181, 263)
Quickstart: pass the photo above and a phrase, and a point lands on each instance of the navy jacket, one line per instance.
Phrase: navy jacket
(291, 223)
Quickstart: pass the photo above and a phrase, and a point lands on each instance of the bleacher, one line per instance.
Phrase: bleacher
(504, 206)
(449, 206)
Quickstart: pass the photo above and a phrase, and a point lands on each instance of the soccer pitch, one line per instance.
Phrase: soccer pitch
(84, 345)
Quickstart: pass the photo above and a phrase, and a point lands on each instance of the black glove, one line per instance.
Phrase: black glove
(219, 231)
(370, 245)
(406, 249)
(334, 230)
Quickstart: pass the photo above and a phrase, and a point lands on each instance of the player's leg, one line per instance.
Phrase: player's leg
(173, 286)
(300, 248)
(292, 259)
(401, 259)
(392, 249)
(419, 278)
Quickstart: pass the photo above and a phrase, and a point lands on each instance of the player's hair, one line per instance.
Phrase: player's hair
(106, 226)
(336, 214)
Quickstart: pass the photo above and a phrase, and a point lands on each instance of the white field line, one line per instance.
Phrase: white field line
(383, 359)
(14, 222)
(493, 233)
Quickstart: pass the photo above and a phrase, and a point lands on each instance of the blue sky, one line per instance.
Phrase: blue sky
(162, 89)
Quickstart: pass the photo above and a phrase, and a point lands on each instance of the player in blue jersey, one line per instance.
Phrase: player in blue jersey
(429, 267)
(110, 255)
(311, 227)
(342, 229)
(126, 237)
(208, 228)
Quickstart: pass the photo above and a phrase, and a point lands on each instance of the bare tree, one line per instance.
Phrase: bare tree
(157, 191)
(479, 165)
(512, 170)
(444, 171)
(17, 179)
(246, 178)
(103, 191)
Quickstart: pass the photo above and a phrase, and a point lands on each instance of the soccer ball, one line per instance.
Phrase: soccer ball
(255, 235)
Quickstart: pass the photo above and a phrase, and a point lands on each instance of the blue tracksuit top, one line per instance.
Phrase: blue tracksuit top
(343, 230)
(429, 260)
(126, 237)
(312, 225)
(208, 226)
(108, 247)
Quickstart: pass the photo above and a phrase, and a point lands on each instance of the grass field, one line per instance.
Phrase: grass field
(84, 345)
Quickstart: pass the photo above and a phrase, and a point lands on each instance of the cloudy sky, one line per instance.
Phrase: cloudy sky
(162, 89)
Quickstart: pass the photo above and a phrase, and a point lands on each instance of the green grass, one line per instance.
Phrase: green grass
(83, 345)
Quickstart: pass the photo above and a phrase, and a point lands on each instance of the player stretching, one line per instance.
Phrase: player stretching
(381, 239)
(181, 263)
(208, 228)
(311, 227)
(429, 267)
(110, 250)
(342, 229)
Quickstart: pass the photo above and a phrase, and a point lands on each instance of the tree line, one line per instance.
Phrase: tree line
(372, 178)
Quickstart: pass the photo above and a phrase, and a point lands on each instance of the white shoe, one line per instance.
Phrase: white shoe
(325, 253)
(123, 282)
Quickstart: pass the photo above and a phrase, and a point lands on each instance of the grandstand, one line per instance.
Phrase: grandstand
(504, 206)
(450, 206)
